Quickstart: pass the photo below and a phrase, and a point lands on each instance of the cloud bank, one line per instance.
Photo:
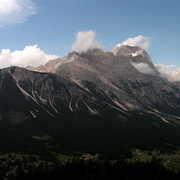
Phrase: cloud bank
(30, 55)
(15, 11)
(85, 40)
(143, 68)
(167, 73)
(141, 41)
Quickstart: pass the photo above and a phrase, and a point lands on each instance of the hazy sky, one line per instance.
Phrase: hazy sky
(46, 28)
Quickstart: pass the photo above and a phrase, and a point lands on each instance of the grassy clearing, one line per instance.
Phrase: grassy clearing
(42, 138)
(61, 157)
(170, 161)
(36, 161)
(9, 156)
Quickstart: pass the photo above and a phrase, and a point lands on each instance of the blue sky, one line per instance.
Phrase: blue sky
(52, 25)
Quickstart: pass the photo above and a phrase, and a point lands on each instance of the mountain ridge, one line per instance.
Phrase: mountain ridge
(93, 102)
(97, 82)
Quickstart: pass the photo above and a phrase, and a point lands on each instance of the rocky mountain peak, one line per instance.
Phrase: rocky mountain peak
(50, 66)
(138, 54)
(95, 57)
(127, 50)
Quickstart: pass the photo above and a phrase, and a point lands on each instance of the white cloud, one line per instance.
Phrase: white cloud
(143, 68)
(15, 11)
(30, 55)
(167, 73)
(85, 40)
(140, 41)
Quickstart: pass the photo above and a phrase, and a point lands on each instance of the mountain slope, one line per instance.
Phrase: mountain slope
(97, 83)
(114, 78)
(92, 101)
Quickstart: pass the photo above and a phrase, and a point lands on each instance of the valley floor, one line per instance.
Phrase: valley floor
(14, 165)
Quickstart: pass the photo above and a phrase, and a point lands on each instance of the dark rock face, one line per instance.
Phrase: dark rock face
(96, 83)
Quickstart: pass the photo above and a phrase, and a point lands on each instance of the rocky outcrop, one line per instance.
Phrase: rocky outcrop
(51, 66)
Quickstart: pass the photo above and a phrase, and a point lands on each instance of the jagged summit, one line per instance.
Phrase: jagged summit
(127, 50)
(50, 66)
(138, 54)
(134, 54)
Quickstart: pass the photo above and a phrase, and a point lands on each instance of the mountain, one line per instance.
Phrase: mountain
(111, 81)
(113, 94)
(95, 82)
